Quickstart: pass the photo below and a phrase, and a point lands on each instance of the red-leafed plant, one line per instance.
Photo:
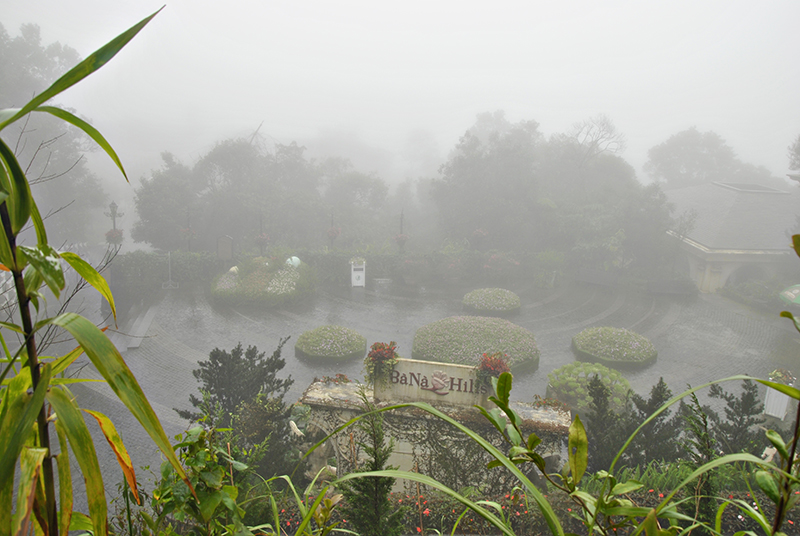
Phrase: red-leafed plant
(382, 357)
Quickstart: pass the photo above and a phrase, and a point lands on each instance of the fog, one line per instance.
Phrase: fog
(371, 81)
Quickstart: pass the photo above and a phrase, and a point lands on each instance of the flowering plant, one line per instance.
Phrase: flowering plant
(262, 239)
(782, 376)
(492, 366)
(480, 233)
(401, 239)
(188, 233)
(358, 260)
(333, 233)
(381, 358)
(114, 236)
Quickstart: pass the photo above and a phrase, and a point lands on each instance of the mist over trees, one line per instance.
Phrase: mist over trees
(691, 157)
(50, 150)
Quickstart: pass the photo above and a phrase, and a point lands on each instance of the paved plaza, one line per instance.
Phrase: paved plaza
(698, 339)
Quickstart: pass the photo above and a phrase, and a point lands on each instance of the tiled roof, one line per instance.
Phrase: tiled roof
(739, 216)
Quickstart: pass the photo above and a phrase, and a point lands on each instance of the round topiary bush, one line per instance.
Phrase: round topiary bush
(491, 302)
(614, 347)
(333, 343)
(464, 339)
(569, 384)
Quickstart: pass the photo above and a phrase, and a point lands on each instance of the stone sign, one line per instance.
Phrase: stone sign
(429, 381)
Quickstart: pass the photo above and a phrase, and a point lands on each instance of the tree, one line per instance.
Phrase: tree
(240, 389)
(51, 151)
(605, 428)
(690, 157)
(794, 154)
(658, 440)
(30, 404)
(232, 378)
(699, 448)
(367, 506)
(740, 431)
(490, 182)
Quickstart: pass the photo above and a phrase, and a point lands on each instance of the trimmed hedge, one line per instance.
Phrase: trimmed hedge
(334, 343)
(463, 339)
(614, 347)
(491, 302)
(569, 384)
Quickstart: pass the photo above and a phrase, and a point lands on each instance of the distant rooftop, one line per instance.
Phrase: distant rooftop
(751, 188)
(739, 216)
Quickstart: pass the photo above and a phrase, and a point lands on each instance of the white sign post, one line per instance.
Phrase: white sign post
(358, 274)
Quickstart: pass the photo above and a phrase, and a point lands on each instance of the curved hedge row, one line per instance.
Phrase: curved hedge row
(334, 343)
(614, 347)
(463, 339)
(491, 301)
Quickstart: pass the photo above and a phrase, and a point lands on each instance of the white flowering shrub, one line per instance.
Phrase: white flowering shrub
(491, 301)
(331, 342)
(614, 347)
(464, 339)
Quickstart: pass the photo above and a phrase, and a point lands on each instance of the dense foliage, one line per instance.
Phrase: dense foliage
(267, 283)
(570, 384)
(331, 342)
(614, 347)
(464, 339)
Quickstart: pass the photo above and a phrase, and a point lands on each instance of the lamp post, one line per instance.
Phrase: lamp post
(113, 214)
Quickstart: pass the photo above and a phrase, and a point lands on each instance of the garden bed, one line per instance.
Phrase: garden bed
(266, 283)
(491, 302)
(570, 383)
(464, 339)
(614, 347)
(331, 344)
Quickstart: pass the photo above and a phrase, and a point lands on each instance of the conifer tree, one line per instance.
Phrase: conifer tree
(367, 505)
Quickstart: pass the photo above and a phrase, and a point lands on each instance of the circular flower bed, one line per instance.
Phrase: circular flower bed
(464, 339)
(491, 301)
(331, 343)
(569, 384)
(614, 347)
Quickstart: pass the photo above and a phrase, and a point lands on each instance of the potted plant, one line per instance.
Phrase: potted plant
(491, 366)
(380, 361)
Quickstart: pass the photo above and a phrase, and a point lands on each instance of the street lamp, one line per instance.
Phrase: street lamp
(113, 214)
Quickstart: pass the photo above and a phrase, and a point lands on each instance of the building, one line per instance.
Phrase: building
(740, 231)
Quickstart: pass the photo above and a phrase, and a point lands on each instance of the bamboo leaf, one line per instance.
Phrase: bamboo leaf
(91, 64)
(777, 442)
(626, 487)
(19, 191)
(83, 447)
(88, 129)
(578, 446)
(38, 223)
(785, 389)
(15, 429)
(109, 363)
(45, 260)
(115, 441)
(64, 481)
(796, 244)
(31, 464)
(91, 276)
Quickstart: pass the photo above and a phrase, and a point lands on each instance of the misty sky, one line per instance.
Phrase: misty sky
(399, 82)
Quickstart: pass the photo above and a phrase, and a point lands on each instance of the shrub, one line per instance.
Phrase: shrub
(331, 342)
(570, 385)
(614, 347)
(464, 339)
(264, 283)
(491, 301)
